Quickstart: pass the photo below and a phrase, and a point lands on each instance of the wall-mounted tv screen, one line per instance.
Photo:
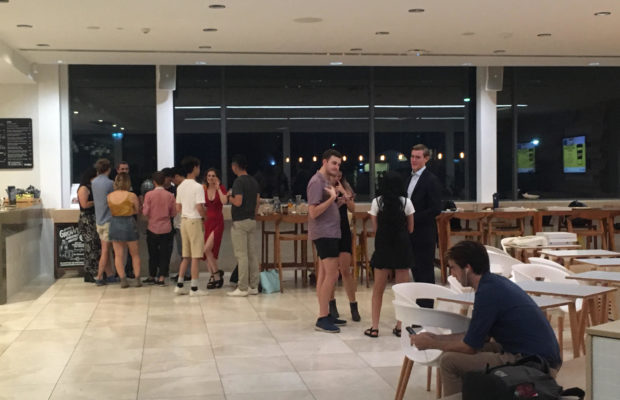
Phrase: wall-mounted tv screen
(574, 154)
(526, 157)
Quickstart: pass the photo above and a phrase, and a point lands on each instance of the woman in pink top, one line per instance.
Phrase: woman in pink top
(159, 206)
(215, 198)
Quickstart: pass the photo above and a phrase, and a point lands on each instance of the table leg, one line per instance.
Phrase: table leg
(574, 328)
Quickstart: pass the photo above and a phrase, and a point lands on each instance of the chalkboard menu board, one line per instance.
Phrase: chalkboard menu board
(69, 247)
(15, 143)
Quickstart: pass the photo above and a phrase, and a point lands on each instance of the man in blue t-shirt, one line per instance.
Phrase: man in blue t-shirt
(502, 311)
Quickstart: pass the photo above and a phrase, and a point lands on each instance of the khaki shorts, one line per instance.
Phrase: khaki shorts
(104, 232)
(192, 238)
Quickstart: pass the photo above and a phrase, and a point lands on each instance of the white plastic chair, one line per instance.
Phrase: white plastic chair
(457, 287)
(502, 264)
(544, 261)
(409, 292)
(431, 320)
(547, 273)
(493, 249)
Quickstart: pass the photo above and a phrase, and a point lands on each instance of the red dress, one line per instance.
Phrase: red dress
(214, 222)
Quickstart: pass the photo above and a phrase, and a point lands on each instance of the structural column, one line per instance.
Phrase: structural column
(165, 126)
(486, 139)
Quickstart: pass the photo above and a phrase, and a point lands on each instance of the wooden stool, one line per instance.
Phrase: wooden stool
(596, 227)
(298, 235)
(512, 223)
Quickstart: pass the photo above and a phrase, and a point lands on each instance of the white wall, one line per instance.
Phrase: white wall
(21, 101)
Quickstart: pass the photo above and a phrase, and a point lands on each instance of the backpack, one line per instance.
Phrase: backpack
(524, 379)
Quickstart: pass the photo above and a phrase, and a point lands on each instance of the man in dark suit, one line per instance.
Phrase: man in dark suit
(424, 190)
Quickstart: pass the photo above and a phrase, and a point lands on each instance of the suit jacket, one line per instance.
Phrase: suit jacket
(426, 199)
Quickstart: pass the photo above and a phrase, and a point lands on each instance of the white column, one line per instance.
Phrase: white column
(486, 139)
(165, 129)
(50, 163)
(65, 136)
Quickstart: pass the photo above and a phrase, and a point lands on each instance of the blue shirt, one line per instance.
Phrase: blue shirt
(102, 186)
(503, 311)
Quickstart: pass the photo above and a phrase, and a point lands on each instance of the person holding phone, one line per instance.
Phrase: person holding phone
(215, 198)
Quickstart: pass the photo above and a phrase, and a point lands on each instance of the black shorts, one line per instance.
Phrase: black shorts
(327, 247)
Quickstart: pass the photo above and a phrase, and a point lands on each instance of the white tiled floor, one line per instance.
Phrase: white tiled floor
(78, 341)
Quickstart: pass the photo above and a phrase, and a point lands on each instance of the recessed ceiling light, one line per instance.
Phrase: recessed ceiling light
(59, 61)
(543, 35)
(499, 51)
(308, 20)
(120, 28)
(467, 64)
(356, 49)
(468, 33)
(209, 30)
(594, 64)
(43, 45)
(217, 6)
(204, 47)
(382, 33)
(94, 28)
(335, 63)
(416, 10)
(24, 26)
(602, 13)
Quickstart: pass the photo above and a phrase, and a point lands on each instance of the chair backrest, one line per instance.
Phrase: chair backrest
(431, 320)
(544, 261)
(541, 271)
(457, 287)
(493, 249)
(409, 292)
(501, 264)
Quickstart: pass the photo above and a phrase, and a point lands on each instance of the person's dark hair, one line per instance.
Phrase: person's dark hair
(158, 177)
(331, 153)
(472, 253)
(177, 171)
(188, 164)
(87, 176)
(121, 163)
(168, 172)
(102, 165)
(391, 208)
(425, 150)
(241, 161)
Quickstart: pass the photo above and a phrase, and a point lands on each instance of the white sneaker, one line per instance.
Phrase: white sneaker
(253, 291)
(196, 293)
(181, 290)
(237, 293)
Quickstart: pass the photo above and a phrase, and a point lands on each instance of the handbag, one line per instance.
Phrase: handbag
(270, 281)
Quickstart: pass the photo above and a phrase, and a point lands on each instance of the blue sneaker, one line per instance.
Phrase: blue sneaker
(336, 321)
(112, 279)
(99, 282)
(324, 324)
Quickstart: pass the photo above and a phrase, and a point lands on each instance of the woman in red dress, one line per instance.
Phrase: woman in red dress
(215, 198)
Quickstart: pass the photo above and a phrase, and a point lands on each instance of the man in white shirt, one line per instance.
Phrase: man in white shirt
(190, 205)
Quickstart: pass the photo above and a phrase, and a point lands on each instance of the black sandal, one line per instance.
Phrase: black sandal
(212, 284)
(396, 331)
(373, 333)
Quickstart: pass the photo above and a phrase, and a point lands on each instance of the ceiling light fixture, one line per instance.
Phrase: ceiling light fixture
(59, 61)
(594, 64)
(204, 47)
(217, 6)
(468, 33)
(382, 33)
(416, 10)
(43, 45)
(543, 35)
(335, 63)
(209, 30)
(356, 49)
(94, 28)
(467, 64)
(499, 51)
(602, 13)
(200, 63)
(24, 26)
(308, 20)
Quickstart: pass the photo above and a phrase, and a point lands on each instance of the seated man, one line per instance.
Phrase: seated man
(502, 311)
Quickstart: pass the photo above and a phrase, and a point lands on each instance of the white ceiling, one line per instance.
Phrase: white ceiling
(252, 32)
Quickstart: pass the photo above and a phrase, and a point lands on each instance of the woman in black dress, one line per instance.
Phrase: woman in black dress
(87, 226)
(392, 218)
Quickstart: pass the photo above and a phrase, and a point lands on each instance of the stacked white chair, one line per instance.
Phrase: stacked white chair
(544, 261)
(502, 264)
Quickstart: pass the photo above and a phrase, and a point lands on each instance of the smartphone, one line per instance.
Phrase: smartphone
(410, 330)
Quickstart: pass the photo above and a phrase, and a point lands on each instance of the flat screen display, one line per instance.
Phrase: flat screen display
(574, 154)
(526, 157)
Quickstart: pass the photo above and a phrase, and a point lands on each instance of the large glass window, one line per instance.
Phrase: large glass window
(197, 115)
(432, 106)
(113, 116)
(567, 123)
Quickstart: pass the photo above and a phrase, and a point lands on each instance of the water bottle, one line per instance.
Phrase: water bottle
(495, 200)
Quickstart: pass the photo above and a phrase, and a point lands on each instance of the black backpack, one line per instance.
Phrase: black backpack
(524, 379)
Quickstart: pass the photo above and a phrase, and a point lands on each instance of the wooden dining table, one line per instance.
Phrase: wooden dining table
(589, 296)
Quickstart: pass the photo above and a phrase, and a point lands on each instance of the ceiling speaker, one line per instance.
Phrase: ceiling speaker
(167, 77)
(495, 79)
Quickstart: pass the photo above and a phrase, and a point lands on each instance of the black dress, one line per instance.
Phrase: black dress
(392, 245)
(92, 245)
(345, 230)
